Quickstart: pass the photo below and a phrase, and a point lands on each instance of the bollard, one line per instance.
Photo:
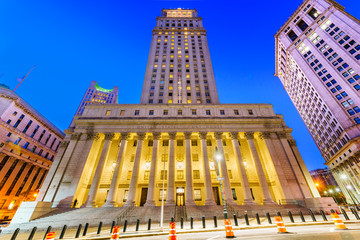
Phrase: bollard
(78, 231)
(258, 219)
(62, 234)
(332, 211)
(47, 231)
(302, 216)
(279, 214)
(246, 219)
(355, 213)
(99, 228)
(13, 237)
(137, 225)
(235, 220)
(149, 224)
(345, 214)
(191, 222)
(215, 222)
(291, 217)
(112, 226)
(312, 215)
(203, 221)
(323, 214)
(125, 226)
(172, 219)
(31, 236)
(182, 223)
(268, 218)
(85, 229)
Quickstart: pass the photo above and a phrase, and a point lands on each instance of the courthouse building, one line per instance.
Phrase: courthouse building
(318, 62)
(119, 155)
(28, 145)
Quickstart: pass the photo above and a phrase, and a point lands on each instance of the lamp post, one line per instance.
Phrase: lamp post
(331, 193)
(162, 195)
(218, 158)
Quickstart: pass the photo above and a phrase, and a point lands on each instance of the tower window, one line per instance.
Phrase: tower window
(292, 35)
(302, 25)
(313, 13)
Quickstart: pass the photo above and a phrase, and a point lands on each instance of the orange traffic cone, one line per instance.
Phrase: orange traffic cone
(280, 225)
(115, 233)
(338, 222)
(172, 231)
(228, 229)
(50, 236)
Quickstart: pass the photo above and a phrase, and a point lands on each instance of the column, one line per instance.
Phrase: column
(11, 178)
(170, 193)
(150, 200)
(280, 162)
(226, 182)
(6, 168)
(189, 197)
(135, 173)
(259, 169)
(248, 200)
(115, 181)
(99, 170)
(209, 196)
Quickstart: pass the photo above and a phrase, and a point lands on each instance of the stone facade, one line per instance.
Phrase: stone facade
(28, 145)
(318, 62)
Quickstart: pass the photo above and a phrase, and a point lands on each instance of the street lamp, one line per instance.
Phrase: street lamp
(331, 193)
(218, 157)
(349, 187)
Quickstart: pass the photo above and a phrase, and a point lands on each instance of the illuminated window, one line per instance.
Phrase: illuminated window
(170, 88)
(146, 175)
(187, 75)
(196, 174)
(108, 112)
(188, 101)
(179, 174)
(129, 175)
(163, 175)
(197, 194)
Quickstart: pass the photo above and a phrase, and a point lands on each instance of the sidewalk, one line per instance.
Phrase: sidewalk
(197, 227)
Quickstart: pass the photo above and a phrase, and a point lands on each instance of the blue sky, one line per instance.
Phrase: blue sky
(74, 42)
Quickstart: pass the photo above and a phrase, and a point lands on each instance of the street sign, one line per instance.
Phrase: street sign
(220, 178)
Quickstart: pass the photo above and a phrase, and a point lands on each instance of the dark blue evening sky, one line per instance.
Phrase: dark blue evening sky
(74, 42)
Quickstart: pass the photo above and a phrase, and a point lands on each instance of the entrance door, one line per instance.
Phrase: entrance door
(216, 195)
(143, 196)
(180, 197)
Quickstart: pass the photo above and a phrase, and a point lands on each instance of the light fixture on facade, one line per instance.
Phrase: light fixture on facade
(147, 165)
(212, 165)
(180, 165)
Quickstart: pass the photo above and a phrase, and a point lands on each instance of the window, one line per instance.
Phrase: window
(194, 142)
(250, 112)
(356, 109)
(292, 35)
(129, 175)
(357, 120)
(17, 141)
(230, 174)
(193, 111)
(137, 112)
(208, 112)
(234, 193)
(195, 157)
(222, 112)
(108, 112)
(122, 112)
(9, 134)
(197, 194)
(179, 143)
(236, 112)
(27, 126)
(19, 120)
(151, 112)
(302, 25)
(179, 112)
(180, 174)
(196, 174)
(26, 145)
(208, 142)
(351, 112)
(165, 112)
(313, 13)
(163, 175)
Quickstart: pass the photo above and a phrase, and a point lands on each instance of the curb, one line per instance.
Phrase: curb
(219, 229)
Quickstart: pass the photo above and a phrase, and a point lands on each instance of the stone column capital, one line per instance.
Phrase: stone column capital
(281, 134)
(172, 135)
(203, 135)
(125, 136)
(187, 135)
(218, 135)
(266, 135)
(64, 144)
(234, 135)
(249, 135)
(292, 142)
(109, 136)
(156, 136)
(75, 136)
(140, 136)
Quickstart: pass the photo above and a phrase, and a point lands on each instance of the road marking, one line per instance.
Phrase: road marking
(213, 237)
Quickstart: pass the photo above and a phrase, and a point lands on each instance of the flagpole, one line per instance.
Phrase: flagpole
(25, 77)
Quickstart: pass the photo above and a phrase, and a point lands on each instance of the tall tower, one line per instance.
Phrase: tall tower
(99, 95)
(179, 69)
(317, 61)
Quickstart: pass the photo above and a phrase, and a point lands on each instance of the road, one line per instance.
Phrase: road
(319, 232)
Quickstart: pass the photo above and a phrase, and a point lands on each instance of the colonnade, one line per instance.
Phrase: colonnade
(265, 166)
